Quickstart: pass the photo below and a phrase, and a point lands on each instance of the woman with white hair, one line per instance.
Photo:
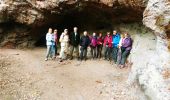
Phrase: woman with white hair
(64, 40)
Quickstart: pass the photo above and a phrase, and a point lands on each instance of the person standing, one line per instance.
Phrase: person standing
(115, 43)
(64, 39)
(74, 43)
(93, 46)
(84, 43)
(119, 54)
(99, 45)
(108, 46)
(49, 43)
(56, 41)
(126, 48)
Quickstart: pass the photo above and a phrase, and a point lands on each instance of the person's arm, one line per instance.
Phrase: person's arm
(67, 38)
(48, 37)
(120, 43)
(80, 41)
(78, 38)
(89, 41)
(111, 40)
(127, 43)
(104, 40)
(70, 37)
(61, 37)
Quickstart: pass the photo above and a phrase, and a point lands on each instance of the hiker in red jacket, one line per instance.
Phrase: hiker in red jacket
(99, 45)
(108, 46)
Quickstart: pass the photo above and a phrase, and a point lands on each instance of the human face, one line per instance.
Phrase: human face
(122, 36)
(55, 31)
(75, 29)
(50, 30)
(100, 35)
(65, 31)
(94, 34)
(108, 33)
(126, 34)
(85, 33)
(114, 32)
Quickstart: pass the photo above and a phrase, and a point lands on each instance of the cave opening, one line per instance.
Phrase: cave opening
(91, 17)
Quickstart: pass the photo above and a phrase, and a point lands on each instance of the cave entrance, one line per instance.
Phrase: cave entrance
(91, 17)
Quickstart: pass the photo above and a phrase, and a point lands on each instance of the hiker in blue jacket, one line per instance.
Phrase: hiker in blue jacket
(115, 43)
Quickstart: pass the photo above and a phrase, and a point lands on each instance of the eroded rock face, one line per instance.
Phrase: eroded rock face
(22, 23)
(38, 15)
(31, 11)
(157, 18)
(148, 72)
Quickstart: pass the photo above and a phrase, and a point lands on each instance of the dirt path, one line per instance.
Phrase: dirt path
(24, 75)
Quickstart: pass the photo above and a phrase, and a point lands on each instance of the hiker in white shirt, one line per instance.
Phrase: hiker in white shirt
(49, 43)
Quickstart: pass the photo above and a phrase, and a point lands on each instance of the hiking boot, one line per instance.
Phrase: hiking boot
(71, 58)
(122, 66)
(61, 60)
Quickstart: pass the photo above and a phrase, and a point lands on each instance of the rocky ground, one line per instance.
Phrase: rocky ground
(24, 75)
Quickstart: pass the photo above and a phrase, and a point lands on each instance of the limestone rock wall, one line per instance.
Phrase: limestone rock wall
(149, 64)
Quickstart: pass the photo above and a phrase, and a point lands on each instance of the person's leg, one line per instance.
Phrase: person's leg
(106, 52)
(81, 53)
(95, 52)
(62, 52)
(77, 52)
(119, 56)
(85, 53)
(109, 53)
(91, 52)
(115, 51)
(113, 54)
(124, 57)
(71, 51)
(100, 51)
(53, 51)
(48, 52)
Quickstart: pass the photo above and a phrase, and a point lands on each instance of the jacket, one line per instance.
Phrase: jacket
(115, 40)
(108, 41)
(85, 41)
(100, 41)
(127, 43)
(64, 39)
(50, 39)
(94, 41)
(74, 39)
(55, 38)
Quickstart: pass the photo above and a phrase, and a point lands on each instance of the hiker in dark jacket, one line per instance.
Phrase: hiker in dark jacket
(93, 45)
(115, 43)
(84, 43)
(126, 48)
(74, 43)
(99, 45)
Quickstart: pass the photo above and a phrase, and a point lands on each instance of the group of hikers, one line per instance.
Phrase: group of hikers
(116, 46)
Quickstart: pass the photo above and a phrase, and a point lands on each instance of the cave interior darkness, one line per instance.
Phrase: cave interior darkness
(91, 17)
